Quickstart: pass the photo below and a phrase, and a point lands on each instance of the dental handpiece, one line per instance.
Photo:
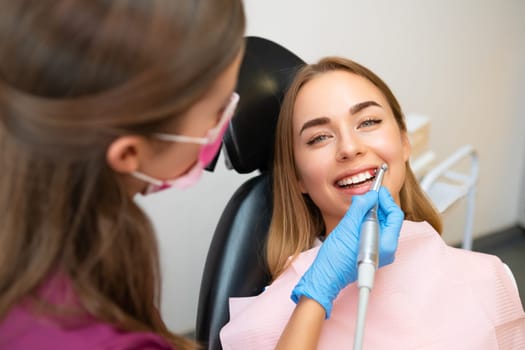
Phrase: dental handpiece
(367, 261)
(369, 239)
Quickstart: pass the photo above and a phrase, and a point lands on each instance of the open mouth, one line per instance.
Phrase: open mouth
(357, 179)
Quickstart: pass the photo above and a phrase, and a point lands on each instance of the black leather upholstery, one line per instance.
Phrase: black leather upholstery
(235, 264)
(265, 73)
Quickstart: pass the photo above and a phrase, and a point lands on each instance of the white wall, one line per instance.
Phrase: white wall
(521, 214)
(521, 132)
(460, 62)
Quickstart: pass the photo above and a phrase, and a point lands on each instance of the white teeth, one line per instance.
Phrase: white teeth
(355, 179)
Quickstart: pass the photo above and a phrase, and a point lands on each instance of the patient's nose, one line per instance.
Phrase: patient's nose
(348, 146)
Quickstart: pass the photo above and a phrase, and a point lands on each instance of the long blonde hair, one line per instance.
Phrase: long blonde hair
(74, 76)
(296, 220)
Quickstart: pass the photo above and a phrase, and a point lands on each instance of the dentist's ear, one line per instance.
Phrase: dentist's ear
(123, 153)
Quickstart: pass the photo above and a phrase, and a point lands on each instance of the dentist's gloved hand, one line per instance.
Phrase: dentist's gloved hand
(390, 218)
(336, 263)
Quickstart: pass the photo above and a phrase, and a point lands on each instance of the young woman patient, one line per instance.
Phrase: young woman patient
(339, 122)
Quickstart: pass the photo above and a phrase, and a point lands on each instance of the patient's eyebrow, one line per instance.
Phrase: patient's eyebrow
(362, 105)
(314, 122)
(325, 120)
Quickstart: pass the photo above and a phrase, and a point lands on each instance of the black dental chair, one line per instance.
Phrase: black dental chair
(235, 265)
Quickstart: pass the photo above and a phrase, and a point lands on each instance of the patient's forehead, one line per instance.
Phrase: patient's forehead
(332, 94)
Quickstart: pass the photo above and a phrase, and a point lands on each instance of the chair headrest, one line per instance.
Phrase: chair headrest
(265, 73)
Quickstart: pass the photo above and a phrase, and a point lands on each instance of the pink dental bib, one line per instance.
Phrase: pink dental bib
(432, 297)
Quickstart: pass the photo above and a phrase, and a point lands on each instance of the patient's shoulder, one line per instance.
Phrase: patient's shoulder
(257, 322)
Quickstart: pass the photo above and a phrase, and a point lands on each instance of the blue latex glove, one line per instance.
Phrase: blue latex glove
(390, 218)
(336, 263)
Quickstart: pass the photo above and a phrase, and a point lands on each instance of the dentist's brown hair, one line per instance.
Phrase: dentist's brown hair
(296, 220)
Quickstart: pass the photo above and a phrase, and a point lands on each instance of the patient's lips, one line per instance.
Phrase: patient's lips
(357, 182)
(356, 179)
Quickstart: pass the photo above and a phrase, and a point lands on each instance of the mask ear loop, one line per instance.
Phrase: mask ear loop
(182, 138)
(147, 178)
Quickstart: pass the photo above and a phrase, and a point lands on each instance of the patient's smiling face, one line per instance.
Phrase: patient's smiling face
(343, 130)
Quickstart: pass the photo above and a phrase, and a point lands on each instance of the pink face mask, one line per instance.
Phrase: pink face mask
(210, 146)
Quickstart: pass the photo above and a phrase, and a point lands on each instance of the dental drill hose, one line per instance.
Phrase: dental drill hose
(367, 261)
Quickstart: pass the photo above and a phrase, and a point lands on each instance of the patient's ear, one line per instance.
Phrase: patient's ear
(407, 148)
(124, 152)
(301, 186)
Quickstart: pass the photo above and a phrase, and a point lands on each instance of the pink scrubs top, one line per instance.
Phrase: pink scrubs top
(24, 329)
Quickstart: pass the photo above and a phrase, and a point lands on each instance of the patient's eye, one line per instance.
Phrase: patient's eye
(317, 138)
(369, 122)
